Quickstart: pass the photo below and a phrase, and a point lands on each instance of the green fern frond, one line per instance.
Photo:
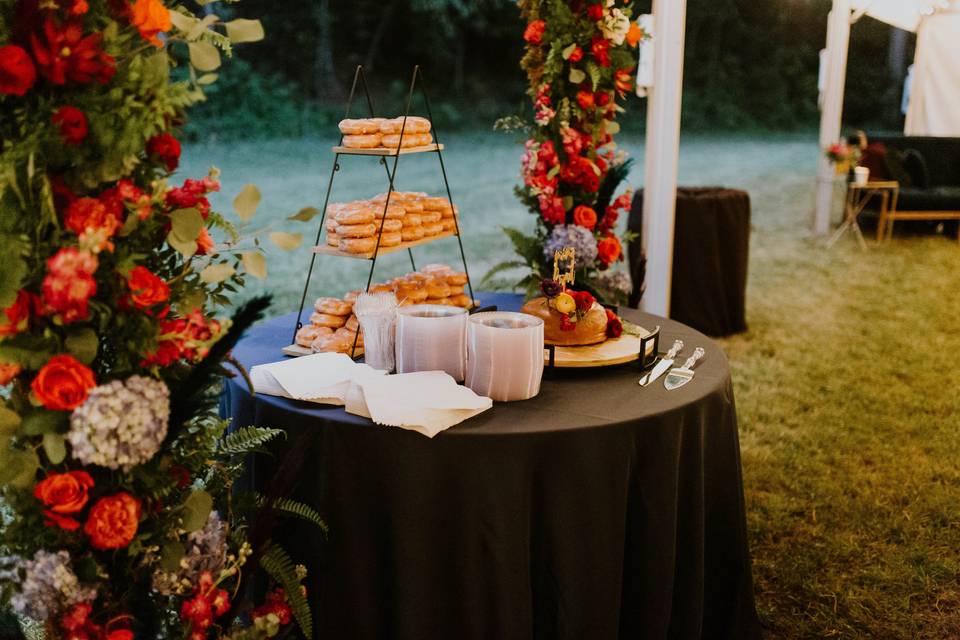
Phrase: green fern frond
(246, 440)
(278, 565)
(299, 510)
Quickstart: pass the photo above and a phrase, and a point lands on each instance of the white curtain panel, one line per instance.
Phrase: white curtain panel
(935, 95)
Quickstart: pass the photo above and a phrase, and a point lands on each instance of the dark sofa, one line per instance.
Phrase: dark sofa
(928, 170)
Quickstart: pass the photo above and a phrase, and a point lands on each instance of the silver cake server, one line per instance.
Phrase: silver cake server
(682, 375)
(665, 363)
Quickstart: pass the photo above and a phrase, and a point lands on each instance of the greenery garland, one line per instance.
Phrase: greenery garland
(120, 519)
(580, 57)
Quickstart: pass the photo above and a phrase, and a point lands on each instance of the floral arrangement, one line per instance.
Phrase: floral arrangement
(120, 518)
(579, 61)
(574, 305)
(843, 153)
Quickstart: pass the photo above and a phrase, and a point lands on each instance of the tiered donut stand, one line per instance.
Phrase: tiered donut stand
(382, 154)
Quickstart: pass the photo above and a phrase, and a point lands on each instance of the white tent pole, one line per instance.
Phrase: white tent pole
(663, 151)
(838, 41)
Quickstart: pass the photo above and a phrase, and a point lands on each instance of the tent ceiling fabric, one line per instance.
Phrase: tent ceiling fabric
(936, 78)
(905, 14)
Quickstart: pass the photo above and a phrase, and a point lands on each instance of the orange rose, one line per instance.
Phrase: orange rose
(63, 383)
(146, 289)
(8, 372)
(609, 250)
(585, 217)
(634, 34)
(112, 521)
(64, 492)
(151, 18)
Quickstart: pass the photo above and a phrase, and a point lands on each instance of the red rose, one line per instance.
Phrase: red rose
(166, 149)
(8, 372)
(595, 12)
(17, 315)
(585, 99)
(584, 300)
(602, 98)
(146, 289)
(600, 50)
(17, 73)
(64, 494)
(609, 250)
(534, 32)
(585, 217)
(69, 284)
(614, 326)
(112, 522)
(63, 384)
(85, 215)
(64, 54)
(576, 55)
(72, 123)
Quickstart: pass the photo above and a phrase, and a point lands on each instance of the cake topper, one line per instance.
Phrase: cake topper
(567, 257)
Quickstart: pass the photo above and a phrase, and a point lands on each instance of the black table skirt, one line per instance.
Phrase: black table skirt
(596, 510)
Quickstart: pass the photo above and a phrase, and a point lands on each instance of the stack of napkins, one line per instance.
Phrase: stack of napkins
(427, 402)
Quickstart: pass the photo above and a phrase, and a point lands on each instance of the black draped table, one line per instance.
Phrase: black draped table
(597, 510)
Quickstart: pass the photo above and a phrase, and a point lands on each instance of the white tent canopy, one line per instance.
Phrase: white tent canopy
(936, 83)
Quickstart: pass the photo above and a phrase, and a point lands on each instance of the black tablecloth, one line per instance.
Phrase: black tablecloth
(597, 510)
(711, 247)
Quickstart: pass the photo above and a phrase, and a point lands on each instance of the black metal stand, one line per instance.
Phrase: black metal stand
(415, 81)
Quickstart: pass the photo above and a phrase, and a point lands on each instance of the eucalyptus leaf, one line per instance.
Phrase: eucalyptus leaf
(246, 202)
(41, 422)
(9, 422)
(27, 350)
(170, 555)
(611, 126)
(242, 30)
(196, 510)
(568, 51)
(187, 248)
(305, 215)
(255, 264)
(197, 30)
(577, 76)
(217, 273)
(18, 468)
(182, 22)
(286, 241)
(55, 447)
(204, 56)
(186, 223)
(83, 344)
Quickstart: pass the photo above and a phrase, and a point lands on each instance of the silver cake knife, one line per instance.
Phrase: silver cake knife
(665, 363)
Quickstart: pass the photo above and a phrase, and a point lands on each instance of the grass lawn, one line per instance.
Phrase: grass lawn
(847, 383)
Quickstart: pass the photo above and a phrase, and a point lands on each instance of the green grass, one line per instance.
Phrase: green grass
(847, 381)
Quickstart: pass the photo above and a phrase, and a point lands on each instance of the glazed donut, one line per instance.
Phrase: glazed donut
(364, 141)
(456, 277)
(455, 289)
(353, 324)
(333, 306)
(462, 301)
(447, 224)
(413, 294)
(354, 215)
(391, 239)
(382, 288)
(337, 344)
(333, 239)
(437, 288)
(424, 139)
(308, 333)
(393, 211)
(349, 334)
(327, 320)
(356, 230)
(435, 203)
(351, 296)
(416, 279)
(391, 140)
(358, 245)
(330, 224)
(430, 217)
(412, 219)
(434, 229)
(360, 126)
(413, 124)
(390, 225)
(411, 234)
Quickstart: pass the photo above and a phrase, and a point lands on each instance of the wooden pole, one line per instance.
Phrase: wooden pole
(663, 151)
(831, 109)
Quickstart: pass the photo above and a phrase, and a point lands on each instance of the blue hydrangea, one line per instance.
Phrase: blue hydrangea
(616, 281)
(46, 586)
(572, 235)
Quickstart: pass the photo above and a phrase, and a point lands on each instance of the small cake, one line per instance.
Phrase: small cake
(570, 319)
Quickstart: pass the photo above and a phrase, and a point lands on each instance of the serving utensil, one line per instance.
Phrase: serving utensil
(682, 375)
(665, 363)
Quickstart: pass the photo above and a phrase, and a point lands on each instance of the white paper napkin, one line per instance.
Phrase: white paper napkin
(324, 378)
(427, 402)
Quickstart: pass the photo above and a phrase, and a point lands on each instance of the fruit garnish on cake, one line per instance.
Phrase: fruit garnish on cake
(572, 318)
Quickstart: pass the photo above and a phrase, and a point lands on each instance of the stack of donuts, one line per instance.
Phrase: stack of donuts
(332, 328)
(384, 133)
(353, 227)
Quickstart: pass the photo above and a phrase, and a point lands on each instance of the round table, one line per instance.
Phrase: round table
(599, 509)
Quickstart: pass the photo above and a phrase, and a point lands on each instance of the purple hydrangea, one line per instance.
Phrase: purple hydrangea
(206, 550)
(122, 424)
(616, 281)
(46, 586)
(570, 235)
